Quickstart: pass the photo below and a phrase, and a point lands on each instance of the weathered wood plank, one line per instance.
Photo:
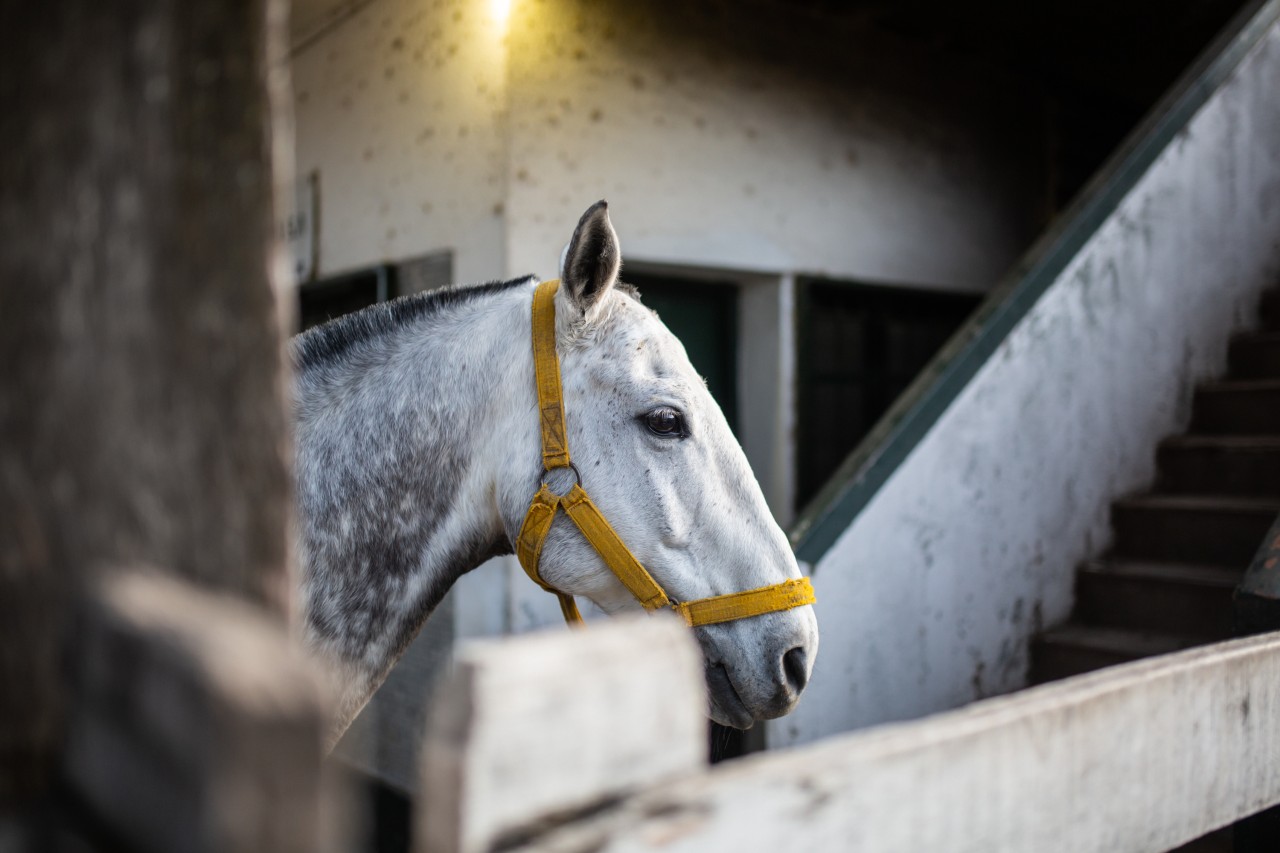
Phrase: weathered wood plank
(1135, 759)
(556, 723)
(198, 724)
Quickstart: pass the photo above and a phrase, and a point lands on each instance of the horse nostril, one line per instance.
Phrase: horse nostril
(793, 664)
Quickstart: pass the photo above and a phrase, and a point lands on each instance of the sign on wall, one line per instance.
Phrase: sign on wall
(300, 228)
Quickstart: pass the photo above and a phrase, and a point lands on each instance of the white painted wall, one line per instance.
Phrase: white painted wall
(401, 108)
(764, 141)
(928, 600)
(767, 142)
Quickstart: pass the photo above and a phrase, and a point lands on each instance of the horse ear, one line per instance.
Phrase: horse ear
(591, 262)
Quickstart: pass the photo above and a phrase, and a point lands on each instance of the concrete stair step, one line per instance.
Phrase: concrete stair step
(1237, 407)
(1208, 530)
(1269, 310)
(1254, 355)
(1243, 465)
(1173, 598)
(1074, 649)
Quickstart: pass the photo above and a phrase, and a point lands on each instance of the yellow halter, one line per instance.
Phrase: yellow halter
(589, 520)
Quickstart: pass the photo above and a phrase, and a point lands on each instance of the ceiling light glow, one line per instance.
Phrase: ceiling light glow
(500, 10)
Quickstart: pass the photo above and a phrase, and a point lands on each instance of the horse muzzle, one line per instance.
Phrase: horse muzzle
(751, 678)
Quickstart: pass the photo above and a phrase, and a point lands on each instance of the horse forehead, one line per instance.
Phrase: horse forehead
(640, 343)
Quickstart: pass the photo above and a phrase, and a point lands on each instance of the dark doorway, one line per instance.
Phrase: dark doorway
(321, 301)
(860, 346)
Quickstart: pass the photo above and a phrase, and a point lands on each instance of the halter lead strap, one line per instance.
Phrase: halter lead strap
(587, 517)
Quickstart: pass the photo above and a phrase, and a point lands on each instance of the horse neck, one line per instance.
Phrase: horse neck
(400, 448)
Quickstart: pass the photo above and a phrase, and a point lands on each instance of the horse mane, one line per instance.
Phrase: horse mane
(325, 343)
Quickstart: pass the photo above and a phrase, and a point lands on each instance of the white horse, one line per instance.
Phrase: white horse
(418, 449)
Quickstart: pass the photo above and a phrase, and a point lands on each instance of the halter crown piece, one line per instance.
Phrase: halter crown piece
(592, 524)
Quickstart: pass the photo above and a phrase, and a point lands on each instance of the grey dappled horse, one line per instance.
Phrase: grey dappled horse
(418, 449)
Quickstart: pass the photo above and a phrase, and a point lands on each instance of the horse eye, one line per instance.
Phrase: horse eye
(666, 422)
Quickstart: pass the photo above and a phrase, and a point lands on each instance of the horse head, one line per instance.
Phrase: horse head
(657, 457)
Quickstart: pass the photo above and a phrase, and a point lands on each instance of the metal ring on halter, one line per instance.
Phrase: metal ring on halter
(576, 473)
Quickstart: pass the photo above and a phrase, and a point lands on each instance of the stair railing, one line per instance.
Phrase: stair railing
(910, 418)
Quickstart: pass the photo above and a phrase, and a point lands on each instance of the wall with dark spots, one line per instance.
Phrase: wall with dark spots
(401, 107)
(762, 139)
(929, 599)
(766, 139)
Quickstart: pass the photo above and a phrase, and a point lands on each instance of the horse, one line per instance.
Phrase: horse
(418, 447)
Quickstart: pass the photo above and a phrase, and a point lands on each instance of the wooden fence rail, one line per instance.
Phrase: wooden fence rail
(533, 730)
(197, 725)
(1135, 759)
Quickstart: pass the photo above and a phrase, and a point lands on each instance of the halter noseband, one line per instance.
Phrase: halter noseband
(592, 524)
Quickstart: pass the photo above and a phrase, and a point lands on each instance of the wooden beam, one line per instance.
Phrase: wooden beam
(142, 415)
(1134, 759)
(198, 724)
(552, 724)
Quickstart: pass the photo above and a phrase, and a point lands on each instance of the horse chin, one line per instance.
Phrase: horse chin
(727, 707)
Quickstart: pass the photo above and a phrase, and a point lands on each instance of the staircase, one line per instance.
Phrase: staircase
(1180, 550)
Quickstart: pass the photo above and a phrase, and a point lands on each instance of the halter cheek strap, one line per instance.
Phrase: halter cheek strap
(587, 517)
